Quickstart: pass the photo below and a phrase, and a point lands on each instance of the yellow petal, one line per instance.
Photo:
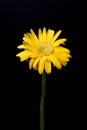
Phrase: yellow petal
(63, 56)
(55, 61)
(60, 49)
(66, 55)
(40, 35)
(31, 63)
(36, 62)
(41, 66)
(64, 63)
(34, 37)
(50, 34)
(33, 55)
(44, 34)
(27, 46)
(21, 47)
(24, 55)
(48, 66)
(56, 35)
(23, 58)
(28, 41)
(58, 42)
(27, 35)
(36, 67)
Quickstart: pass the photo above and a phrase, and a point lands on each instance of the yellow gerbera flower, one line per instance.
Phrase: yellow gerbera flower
(44, 50)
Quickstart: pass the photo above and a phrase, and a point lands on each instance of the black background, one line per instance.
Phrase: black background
(21, 87)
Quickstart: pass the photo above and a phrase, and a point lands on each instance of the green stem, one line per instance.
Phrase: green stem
(42, 102)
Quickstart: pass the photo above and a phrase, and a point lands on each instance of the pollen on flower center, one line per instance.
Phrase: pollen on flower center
(45, 49)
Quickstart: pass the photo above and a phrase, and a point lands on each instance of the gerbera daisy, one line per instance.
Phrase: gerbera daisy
(44, 50)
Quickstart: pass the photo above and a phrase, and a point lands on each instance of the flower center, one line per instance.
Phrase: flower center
(45, 49)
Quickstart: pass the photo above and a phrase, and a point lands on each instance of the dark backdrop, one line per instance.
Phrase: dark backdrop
(21, 86)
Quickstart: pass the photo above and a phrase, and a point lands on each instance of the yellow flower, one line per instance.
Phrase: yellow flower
(44, 50)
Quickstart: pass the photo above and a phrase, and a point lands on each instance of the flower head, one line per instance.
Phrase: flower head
(44, 50)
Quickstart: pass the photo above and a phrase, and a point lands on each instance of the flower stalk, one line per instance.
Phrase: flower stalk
(42, 101)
